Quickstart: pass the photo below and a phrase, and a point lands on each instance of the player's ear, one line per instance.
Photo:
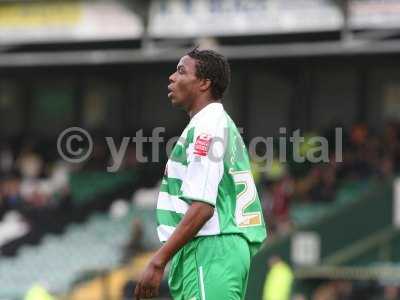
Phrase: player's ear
(205, 84)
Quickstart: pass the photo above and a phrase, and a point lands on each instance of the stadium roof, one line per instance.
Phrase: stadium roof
(155, 55)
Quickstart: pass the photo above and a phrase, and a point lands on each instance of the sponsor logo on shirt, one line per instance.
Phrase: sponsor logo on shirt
(202, 144)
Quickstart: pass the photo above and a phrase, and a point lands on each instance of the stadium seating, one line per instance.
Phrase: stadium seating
(94, 245)
(306, 213)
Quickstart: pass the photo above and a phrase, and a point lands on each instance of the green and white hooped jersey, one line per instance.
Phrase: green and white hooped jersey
(210, 163)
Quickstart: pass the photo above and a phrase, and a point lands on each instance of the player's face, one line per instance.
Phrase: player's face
(183, 84)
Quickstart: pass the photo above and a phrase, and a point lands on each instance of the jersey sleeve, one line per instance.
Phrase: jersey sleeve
(205, 164)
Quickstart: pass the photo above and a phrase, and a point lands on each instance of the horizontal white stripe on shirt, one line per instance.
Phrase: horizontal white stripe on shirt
(164, 232)
(176, 170)
(172, 203)
(210, 228)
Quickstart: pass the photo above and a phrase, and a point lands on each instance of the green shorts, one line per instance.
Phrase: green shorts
(211, 268)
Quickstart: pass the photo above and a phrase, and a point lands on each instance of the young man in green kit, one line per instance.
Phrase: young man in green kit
(208, 211)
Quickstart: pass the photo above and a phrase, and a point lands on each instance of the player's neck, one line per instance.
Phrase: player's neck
(199, 105)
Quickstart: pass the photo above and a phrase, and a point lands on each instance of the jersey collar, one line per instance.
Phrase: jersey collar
(207, 109)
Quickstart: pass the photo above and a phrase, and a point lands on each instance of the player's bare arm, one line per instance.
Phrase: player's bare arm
(197, 215)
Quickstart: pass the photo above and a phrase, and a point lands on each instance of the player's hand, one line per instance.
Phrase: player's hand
(149, 284)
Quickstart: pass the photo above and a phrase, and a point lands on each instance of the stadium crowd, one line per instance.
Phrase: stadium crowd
(366, 155)
(34, 178)
(36, 186)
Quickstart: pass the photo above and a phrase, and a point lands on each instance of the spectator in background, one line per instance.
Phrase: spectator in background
(334, 290)
(387, 167)
(391, 292)
(279, 280)
(6, 159)
(391, 151)
(31, 168)
(99, 157)
(38, 292)
(324, 188)
(276, 197)
(129, 160)
(135, 244)
(359, 165)
(30, 164)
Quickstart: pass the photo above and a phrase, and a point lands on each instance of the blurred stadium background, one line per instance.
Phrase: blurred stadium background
(78, 232)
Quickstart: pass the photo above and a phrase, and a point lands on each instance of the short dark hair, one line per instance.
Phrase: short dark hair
(213, 66)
